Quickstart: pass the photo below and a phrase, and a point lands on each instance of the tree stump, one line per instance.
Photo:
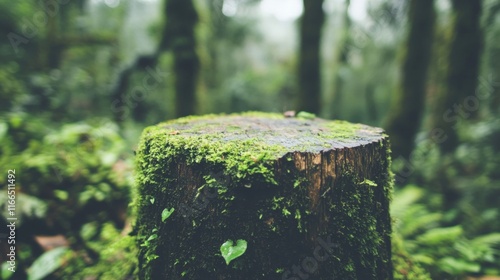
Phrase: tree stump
(260, 196)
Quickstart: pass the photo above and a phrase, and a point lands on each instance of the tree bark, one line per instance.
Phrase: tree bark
(309, 196)
(309, 76)
(408, 102)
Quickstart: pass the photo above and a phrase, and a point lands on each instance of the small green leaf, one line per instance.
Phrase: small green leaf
(153, 237)
(296, 183)
(166, 213)
(152, 200)
(230, 252)
(286, 212)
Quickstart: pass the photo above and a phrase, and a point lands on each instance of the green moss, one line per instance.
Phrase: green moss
(208, 139)
(368, 182)
(306, 115)
(298, 218)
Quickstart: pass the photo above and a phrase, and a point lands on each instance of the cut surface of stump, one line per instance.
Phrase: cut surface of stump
(289, 198)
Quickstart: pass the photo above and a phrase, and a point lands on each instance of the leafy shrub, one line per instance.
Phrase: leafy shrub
(118, 258)
(468, 178)
(445, 252)
(66, 178)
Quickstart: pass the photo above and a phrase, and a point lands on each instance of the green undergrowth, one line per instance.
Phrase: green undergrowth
(117, 260)
(423, 240)
(71, 179)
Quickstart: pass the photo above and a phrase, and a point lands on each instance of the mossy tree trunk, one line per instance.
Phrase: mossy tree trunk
(310, 198)
(309, 76)
(408, 101)
(181, 17)
(461, 76)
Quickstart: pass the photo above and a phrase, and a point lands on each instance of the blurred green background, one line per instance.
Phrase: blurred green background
(80, 79)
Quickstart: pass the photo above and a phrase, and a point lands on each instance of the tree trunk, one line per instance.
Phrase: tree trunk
(309, 57)
(492, 55)
(408, 102)
(310, 197)
(453, 105)
(466, 48)
(342, 61)
(180, 37)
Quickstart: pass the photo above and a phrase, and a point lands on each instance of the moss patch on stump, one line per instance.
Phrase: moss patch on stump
(309, 196)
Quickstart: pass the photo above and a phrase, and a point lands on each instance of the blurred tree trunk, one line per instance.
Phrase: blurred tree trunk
(211, 68)
(461, 76)
(465, 50)
(218, 21)
(309, 76)
(342, 56)
(181, 20)
(49, 55)
(492, 55)
(179, 37)
(408, 102)
(59, 32)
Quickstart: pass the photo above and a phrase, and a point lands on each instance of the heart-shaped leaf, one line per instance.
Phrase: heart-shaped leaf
(230, 252)
(166, 213)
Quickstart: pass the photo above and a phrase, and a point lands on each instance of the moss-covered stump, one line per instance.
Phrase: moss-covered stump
(308, 197)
